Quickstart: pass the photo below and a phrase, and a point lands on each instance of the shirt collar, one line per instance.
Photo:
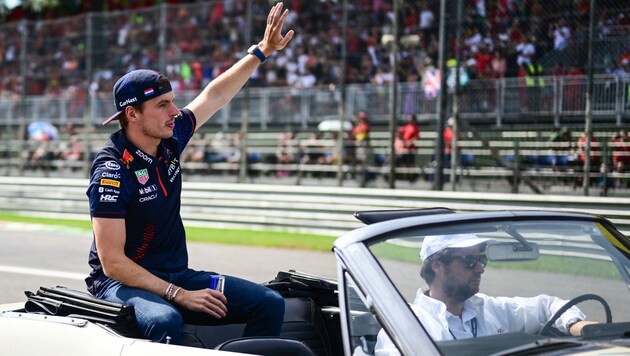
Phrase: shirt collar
(133, 152)
(470, 310)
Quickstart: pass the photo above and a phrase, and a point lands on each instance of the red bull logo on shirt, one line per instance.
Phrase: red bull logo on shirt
(127, 158)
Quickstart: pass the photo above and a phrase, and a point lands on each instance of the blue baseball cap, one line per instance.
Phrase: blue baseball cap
(136, 87)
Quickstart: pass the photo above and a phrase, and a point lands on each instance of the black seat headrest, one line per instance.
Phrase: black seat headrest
(267, 346)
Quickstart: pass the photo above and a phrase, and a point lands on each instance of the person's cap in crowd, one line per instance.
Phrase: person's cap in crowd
(436, 243)
(136, 87)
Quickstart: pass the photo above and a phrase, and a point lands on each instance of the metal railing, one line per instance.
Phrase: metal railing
(500, 102)
(322, 210)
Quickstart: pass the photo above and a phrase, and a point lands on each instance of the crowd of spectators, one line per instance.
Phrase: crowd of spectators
(202, 39)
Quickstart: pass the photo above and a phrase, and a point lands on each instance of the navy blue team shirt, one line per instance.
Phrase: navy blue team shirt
(127, 183)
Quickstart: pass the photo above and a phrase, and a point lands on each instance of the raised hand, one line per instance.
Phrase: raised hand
(273, 39)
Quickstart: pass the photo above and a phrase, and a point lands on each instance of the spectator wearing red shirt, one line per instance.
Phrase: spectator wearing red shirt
(498, 64)
(448, 139)
(447, 136)
(406, 139)
(406, 149)
(581, 144)
(483, 59)
(361, 135)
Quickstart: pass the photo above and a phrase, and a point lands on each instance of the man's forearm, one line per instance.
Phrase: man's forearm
(576, 328)
(222, 89)
(132, 274)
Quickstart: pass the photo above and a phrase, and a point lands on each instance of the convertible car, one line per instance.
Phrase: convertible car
(582, 259)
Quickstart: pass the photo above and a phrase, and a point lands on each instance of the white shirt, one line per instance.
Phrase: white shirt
(561, 38)
(493, 315)
(426, 19)
(525, 53)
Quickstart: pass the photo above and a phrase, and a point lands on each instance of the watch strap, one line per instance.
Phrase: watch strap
(254, 50)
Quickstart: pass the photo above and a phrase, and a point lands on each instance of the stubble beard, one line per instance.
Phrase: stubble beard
(458, 292)
(157, 133)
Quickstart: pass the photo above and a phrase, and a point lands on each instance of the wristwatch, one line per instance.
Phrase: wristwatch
(255, 51)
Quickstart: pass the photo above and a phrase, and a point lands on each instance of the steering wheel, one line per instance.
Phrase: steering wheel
(550, 330)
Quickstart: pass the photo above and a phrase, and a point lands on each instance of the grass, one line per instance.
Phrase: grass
(268, 238)
(264, 238)
(79, 224)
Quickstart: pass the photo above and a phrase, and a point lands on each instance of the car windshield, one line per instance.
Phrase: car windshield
(525, 258)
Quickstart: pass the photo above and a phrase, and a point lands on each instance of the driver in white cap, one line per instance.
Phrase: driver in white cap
(452, 308)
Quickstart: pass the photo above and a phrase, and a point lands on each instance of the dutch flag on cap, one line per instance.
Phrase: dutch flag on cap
(148, 92)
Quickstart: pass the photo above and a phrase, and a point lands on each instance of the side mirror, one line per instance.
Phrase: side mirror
(512, 251)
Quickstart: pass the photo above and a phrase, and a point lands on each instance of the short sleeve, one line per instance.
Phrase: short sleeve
(184, 128)
(109, 190)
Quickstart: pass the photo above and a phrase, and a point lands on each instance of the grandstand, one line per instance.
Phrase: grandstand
(58, 66)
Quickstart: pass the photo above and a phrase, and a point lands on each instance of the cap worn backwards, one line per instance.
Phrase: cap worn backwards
(136, 87)
(435, 243)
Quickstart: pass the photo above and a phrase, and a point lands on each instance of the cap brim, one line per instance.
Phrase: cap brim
(472, 242)
(112, 118)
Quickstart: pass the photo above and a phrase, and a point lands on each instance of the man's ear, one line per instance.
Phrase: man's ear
(130, 112)
(438, 267)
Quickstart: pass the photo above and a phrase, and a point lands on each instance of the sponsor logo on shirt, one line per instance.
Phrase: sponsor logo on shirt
(110, 182)
(108, 190)
(115, 175)
(172, 166)
(108, 198)
(173, 169)
(144, 156)
(127, 158)
(147, 198)
(113, 165)
(174, 175)
(148, 189)
(143, 176)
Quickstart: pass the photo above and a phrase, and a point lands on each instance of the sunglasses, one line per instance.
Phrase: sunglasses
(470, 261)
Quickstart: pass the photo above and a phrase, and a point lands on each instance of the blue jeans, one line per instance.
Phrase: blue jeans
(261, 308)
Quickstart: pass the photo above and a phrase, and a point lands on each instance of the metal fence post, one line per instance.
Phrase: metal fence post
(516, 171)
(264, 108)
(556, 102)
(22, 103)
(500, 88)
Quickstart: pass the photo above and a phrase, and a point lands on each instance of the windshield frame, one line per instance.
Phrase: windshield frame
(353, 252)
